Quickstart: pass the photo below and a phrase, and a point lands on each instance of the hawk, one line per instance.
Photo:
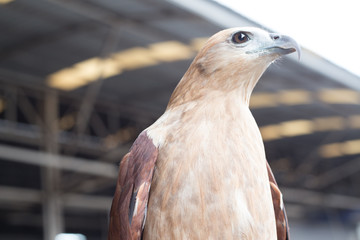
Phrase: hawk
(200, 171)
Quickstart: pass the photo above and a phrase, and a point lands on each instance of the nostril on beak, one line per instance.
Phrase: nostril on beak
(275, 37)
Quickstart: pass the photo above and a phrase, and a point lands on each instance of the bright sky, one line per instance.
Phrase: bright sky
(329, 28)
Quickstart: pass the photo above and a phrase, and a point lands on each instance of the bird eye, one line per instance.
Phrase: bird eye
(240, 37)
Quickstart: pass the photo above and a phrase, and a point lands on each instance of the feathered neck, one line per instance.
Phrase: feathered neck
(198, 82)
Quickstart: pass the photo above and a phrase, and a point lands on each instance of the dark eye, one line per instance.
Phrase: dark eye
(240, 37)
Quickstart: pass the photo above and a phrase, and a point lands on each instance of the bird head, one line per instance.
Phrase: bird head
(242, 50)
(233, 59)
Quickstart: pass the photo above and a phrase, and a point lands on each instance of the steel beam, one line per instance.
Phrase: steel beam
(69, 200)
(39, 158)
(319, 199)
(20, 195)
(334, 175)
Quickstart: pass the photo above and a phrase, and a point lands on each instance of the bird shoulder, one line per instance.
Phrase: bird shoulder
(129, 206)
(282, 226)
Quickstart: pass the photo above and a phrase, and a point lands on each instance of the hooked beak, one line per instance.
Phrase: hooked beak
(283, 45)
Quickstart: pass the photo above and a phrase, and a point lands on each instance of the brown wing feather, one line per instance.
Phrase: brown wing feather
(282, 226)
(128, 210)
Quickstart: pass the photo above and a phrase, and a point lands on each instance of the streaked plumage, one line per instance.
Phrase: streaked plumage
(200, 172)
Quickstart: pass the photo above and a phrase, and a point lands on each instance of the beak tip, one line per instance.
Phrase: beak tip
(286, 42)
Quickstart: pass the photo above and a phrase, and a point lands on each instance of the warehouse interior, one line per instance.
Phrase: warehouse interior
(79, 80)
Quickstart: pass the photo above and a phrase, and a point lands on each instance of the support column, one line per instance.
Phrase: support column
(52, 206)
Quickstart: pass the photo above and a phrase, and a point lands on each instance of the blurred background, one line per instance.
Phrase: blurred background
(79, 80)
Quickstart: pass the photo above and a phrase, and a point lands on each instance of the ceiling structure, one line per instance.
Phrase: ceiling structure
(79, 80)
